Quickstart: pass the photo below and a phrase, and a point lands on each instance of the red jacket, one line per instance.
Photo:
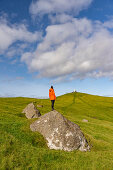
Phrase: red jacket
(52, 94)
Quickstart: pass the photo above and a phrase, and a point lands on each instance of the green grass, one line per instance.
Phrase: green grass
(22, 149)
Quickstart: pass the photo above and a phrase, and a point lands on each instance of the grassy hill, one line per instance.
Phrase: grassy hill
(22, 149)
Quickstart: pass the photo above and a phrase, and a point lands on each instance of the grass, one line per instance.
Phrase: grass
(22, 149)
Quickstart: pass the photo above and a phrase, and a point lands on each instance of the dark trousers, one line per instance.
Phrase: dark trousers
(52, 104)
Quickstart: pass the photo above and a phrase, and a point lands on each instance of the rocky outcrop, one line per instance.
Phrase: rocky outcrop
(31, 111)
(60, 133)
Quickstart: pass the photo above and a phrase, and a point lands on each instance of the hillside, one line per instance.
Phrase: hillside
(22, 149)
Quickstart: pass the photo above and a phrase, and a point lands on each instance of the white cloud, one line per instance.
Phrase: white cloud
(17, 49)
(10, 33)
(76, 49)
(58, 6)
(60, 18)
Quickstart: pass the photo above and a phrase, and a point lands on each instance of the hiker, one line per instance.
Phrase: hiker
(52, 97)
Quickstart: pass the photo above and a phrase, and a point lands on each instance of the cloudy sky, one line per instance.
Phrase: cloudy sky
(67, 44)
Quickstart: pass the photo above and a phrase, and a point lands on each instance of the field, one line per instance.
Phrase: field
(22, 149)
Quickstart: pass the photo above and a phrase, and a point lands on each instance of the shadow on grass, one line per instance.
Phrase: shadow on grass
(21, 115)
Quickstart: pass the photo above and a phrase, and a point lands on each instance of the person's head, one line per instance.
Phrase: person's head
(52, 87)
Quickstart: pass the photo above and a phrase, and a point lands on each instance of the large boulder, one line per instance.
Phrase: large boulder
(31, 111)
(60, 133)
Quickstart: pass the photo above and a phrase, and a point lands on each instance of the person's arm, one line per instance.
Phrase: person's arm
(54, 96)
(49, 94)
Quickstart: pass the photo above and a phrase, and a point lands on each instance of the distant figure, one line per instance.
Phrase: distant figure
(52, 97)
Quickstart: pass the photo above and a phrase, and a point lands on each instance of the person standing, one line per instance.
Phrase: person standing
(52, 97)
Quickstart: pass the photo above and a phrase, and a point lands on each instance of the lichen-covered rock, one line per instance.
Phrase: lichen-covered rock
(31, 111)
(60, 133)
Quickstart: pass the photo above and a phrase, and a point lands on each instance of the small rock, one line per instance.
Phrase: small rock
(84, 120)
(31, 111)
(39, 105)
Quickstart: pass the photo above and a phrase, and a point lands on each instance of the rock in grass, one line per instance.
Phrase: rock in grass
(31, 111)
(84, 120)
(60, 133)
(38, 105)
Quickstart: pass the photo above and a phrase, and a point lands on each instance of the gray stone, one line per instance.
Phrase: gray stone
(31, 111)
(84, 120)
(60, 133)
(39, 105)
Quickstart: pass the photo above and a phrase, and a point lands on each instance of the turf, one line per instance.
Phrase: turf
(22, 149)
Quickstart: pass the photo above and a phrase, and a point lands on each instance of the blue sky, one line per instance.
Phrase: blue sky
(67, 44)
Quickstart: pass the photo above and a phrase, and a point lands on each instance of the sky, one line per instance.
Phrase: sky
(67, 44)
